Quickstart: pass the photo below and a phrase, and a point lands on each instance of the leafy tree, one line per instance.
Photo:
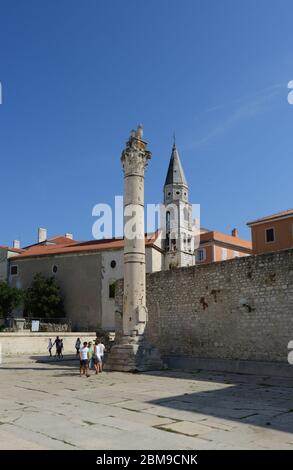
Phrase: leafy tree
(43, 299)
(10, 298)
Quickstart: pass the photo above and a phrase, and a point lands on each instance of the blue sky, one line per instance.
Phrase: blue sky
(78, 76)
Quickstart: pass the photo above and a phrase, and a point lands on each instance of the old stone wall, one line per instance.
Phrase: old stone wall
(236, 309)
(26, 342)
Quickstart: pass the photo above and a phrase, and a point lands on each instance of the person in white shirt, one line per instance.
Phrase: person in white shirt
(99, 354)
(84, 363)
(50, 346)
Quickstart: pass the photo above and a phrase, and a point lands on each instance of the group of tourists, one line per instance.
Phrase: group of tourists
(58, 343)
(91, 356)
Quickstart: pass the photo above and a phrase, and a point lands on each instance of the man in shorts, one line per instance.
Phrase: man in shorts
(97, 357)
(84, 363)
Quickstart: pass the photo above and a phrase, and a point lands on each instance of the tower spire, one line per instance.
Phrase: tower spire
(179, 241)
(175, 173)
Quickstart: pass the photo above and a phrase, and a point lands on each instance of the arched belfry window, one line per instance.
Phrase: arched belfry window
(168, 230)
(168, 217)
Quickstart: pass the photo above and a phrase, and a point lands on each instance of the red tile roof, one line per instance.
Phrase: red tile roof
(60, 240)
(279, 215)
(226, 239)
(79, 247)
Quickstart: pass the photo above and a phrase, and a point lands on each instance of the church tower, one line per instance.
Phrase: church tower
(179, 242)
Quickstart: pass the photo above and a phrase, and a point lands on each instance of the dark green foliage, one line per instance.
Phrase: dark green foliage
(10, 298)
(43, 299)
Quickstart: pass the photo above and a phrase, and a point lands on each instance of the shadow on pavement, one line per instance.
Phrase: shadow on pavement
(257, 400)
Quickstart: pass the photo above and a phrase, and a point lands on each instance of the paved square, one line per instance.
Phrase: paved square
(46, 405)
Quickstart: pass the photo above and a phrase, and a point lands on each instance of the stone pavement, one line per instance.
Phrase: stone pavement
(46, 405)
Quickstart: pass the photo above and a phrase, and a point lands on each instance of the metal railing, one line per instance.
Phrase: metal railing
(45, 324)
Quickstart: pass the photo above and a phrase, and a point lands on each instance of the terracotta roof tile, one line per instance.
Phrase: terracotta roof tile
(227, 239)
(59, 240)
(79, 247)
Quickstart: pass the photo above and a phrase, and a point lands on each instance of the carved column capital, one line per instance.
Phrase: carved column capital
(135, 157)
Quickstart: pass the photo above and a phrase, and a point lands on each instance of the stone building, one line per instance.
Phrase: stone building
(6, 253)
(86, 272)
(180, 239)
(180, 244)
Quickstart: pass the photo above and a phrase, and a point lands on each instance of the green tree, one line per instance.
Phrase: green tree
(10, 298)
(43, 299)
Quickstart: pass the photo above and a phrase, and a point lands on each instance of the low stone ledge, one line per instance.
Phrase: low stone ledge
(24, 343)
(47, 334)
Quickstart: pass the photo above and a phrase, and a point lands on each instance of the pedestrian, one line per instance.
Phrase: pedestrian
(56, 344)
(77, 346)
(102, 349)
(97, 357)
(59, 346)
(83, 357)
(90, 354)
(50, 346)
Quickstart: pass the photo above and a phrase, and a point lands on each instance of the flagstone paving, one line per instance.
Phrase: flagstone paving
(46, 405)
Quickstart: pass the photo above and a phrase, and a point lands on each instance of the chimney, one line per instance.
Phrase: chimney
(69, 235)
(42, 235)
(16, 244)
(234, 232)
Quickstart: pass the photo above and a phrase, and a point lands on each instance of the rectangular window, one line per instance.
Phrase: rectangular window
(201, 254)
(112, 290)
(14, 270)
(270, 235)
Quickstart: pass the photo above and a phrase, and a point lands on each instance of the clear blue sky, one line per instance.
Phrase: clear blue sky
(78, 75)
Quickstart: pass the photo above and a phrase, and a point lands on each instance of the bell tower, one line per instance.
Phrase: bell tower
(179, 242)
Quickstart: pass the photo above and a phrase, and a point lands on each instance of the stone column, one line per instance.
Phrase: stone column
(134, 161)
(133, 352)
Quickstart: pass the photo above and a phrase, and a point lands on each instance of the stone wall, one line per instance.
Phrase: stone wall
(36, 343)
(236, 309)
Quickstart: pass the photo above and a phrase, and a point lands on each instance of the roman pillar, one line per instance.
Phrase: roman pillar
(134, 161)
(133, 352)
